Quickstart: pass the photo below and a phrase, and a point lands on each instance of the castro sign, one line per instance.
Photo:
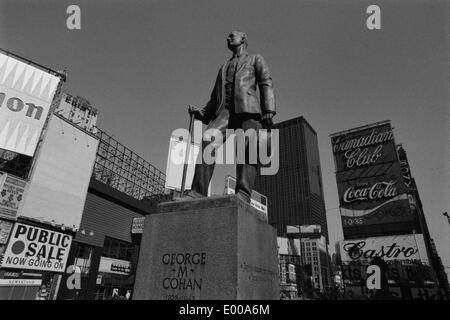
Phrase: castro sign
(403, 247)
(36, 248)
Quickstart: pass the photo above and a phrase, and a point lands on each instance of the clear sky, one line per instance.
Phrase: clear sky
(142, 62)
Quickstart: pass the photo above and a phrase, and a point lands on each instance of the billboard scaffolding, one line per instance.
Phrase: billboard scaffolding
(124, 170)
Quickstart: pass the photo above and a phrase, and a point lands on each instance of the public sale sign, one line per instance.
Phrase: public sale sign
(36, 248)
(26, 93)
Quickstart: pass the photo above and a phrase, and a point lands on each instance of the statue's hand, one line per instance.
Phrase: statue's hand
(198, 114)
(267, 120)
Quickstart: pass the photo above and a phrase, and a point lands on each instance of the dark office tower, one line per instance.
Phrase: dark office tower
(295, 193)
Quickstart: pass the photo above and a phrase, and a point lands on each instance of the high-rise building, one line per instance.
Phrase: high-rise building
(290, 268)
(295, 193)
(315, 258)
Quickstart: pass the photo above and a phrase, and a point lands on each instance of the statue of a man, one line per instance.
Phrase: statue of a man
(235, 104)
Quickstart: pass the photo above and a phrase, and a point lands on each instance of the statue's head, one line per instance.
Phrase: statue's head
(237, 38)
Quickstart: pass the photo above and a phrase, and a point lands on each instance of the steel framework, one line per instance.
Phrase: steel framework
(122, 169)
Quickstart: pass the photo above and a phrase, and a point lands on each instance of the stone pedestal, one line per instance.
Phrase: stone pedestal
(212, 248)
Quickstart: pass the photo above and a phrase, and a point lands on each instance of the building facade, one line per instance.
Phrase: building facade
(105, 250)
(295, 193)
(316, 261)
(290, 268)
(381, 213)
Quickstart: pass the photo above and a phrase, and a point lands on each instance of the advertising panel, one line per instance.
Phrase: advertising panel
(374, 200)
(177, 157)
(15, 163)
(305, 229)
(366, 147)
(361, 292)
(26, 93)
(288, 246)
(57, 190)
(5, 230)
(257, 200)
(311, 228)
(115, 266)
(11, 194)
(372, 192)
(409, 247)
(138, 225)
(404, 167)
(36, 248)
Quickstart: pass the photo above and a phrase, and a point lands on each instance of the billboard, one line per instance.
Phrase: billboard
(308, 229)
(364, 148)
(409, 247)
(11, 194)
(57, 190)
(372, 195)
(406, 171)
(36, 248)
(288, 246)
(257, 200)
(373, 201)
(26, 93)
(114, 266)
(5, 230)
(137, 227)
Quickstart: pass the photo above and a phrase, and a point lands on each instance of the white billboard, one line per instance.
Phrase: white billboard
(403, 247)
(57, 190)
(36, 248)
(114, 266)
(175, 162)
(26, 93)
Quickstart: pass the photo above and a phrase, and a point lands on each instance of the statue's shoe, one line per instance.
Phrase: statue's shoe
(190, 195)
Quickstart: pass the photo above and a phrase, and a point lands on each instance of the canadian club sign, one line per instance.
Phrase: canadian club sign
(364, 148)
(370, 181)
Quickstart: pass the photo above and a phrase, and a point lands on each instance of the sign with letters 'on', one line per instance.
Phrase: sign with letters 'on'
(36, 248)
(26, 93)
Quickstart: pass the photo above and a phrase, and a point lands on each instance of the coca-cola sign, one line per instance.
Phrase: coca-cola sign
(363, 148)
(378, 190)
(404, 247)
(375, 200)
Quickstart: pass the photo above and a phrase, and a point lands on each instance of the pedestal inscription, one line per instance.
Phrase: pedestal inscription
(213, 248)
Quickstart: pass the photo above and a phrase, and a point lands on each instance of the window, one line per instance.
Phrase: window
(118, 249)
(83, 257)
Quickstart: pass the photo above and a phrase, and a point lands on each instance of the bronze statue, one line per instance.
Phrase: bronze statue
(235, 104)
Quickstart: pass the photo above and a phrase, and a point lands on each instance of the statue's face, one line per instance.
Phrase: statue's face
(234, 39)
